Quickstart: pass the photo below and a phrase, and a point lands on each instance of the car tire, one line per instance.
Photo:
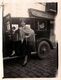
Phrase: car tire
(43, 49)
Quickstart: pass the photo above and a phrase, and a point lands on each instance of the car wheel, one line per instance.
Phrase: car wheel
(43, 49)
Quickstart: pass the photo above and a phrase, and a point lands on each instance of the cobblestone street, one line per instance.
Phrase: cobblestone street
(35, 68)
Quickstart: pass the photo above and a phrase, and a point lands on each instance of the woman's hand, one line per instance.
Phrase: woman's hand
(27, 36)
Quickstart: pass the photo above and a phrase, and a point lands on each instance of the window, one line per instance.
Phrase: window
(41, 26)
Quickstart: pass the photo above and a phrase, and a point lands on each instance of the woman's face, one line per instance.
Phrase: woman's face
(23, 24)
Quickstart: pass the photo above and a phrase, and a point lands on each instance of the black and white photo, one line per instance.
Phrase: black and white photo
(30, 48)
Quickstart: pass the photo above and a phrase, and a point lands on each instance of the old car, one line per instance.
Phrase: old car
(44, 34)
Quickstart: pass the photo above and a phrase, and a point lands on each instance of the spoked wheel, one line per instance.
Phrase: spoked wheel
(43, 49)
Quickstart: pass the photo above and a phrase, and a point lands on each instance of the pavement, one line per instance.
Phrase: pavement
(35, 68)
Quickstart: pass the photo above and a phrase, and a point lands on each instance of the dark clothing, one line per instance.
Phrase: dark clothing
(21, 48)
(19, 35)
(22, 45)
(7, 44)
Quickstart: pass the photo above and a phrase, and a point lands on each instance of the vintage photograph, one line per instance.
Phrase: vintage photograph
(30, 49)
